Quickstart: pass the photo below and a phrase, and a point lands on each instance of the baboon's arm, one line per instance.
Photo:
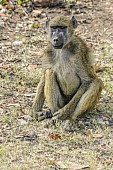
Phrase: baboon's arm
(39, 98)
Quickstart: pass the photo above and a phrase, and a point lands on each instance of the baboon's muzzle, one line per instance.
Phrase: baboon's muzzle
(58, 41)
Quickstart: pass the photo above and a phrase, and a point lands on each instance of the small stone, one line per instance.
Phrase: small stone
(29, 94)
(22, 122)
(27, 118)
(2, 11)
(1, 111)
(2, 25)
(29, 135)
(68, 126)
(100, 121)
(1, 139)
(17, 43)
(87, 123)
(43, 15)
(107, 122)
(37, 13)
(106, 98)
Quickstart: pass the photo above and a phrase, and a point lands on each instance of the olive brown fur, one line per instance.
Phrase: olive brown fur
(69, 83)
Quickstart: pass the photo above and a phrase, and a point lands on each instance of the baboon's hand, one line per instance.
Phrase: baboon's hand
(41, 116)
(59, 115)
(45, 115)
(48, 113)
(56, 116)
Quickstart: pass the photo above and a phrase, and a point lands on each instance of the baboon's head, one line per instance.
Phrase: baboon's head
(60, 30)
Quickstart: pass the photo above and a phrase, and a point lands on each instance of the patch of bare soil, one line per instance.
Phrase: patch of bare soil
(25, 144)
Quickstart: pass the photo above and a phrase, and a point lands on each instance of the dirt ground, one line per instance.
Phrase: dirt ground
(26, 144)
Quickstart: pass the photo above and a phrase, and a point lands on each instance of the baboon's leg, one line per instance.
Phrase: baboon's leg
(89, 98)
(66, 111)
(39, 98)
(52, 92)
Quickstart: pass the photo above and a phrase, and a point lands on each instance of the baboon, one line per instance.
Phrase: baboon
(69, 83)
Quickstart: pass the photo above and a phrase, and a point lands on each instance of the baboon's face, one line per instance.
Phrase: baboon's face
(58, 36)
(60, 29)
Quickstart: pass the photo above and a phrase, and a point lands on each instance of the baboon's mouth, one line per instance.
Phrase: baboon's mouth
(58, 46)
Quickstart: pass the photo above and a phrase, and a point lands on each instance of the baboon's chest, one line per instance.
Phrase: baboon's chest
(67, 77)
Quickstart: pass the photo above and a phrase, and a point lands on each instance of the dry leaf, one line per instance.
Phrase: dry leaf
(21, 88)
(97, 66)
(10, 100)
(32, 67)
(88, 132)
(99, 69)
(3, 14)
(54, 136)
(5, 66)
(89, 44)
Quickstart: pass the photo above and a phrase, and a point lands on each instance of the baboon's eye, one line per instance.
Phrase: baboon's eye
(63, 27)
(53, 27)
(59, 27)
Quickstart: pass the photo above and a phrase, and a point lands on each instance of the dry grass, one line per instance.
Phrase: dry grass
(26, 145)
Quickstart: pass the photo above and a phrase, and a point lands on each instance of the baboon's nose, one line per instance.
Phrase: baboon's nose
(55, 40)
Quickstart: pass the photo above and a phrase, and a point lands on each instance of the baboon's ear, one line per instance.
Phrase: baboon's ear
(74, 22)
(47, 23)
